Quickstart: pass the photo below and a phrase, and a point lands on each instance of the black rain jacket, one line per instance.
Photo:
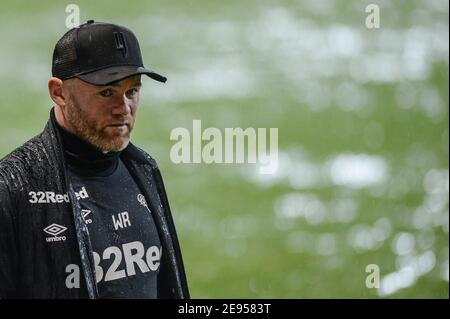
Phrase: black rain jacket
(31, 267)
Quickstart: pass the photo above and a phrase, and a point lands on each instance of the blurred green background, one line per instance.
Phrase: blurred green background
(362, 116)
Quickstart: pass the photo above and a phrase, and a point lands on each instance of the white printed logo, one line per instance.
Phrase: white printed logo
(141, 200)
(51, 197)
(122, 221)
(55, 230)
(85, 213)
(137, 259)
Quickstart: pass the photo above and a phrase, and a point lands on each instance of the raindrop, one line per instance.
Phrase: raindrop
(326, 244)
(403, 244)
(426, 262)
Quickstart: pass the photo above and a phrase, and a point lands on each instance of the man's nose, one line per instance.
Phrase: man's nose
(122, 106)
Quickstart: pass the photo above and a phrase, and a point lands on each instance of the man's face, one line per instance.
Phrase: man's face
(104, 116)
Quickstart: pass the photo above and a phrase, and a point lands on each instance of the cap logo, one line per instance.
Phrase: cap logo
(120, 43)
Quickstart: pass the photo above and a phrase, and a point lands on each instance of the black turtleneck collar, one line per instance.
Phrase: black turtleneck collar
(84, 158)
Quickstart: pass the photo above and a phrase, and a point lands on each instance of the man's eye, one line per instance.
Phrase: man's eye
(106, 93)
(131, 93)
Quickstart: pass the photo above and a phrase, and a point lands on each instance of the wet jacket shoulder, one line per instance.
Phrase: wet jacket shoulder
(35, 193)
(22, 169)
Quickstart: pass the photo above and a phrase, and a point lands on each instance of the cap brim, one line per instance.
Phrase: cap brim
(116, 73)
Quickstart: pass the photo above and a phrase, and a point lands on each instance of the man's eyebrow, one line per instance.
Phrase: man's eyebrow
(116, 84)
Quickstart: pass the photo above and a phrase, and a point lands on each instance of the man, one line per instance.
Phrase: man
(83, 212)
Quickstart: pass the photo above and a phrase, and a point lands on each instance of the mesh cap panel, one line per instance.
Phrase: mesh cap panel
(65, 56)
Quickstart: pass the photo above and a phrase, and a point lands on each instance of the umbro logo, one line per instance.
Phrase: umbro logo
(55, 230)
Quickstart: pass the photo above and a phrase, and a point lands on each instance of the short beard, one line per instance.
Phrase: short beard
(85, 128)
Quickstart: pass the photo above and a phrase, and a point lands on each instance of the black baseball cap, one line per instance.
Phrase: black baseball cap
(99, 53)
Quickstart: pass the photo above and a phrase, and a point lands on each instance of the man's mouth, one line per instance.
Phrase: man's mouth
(122, 128)
(119, 125)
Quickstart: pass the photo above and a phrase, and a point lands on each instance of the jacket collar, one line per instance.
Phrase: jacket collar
(131, 152)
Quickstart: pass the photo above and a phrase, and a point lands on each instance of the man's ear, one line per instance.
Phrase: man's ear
(55, 89)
